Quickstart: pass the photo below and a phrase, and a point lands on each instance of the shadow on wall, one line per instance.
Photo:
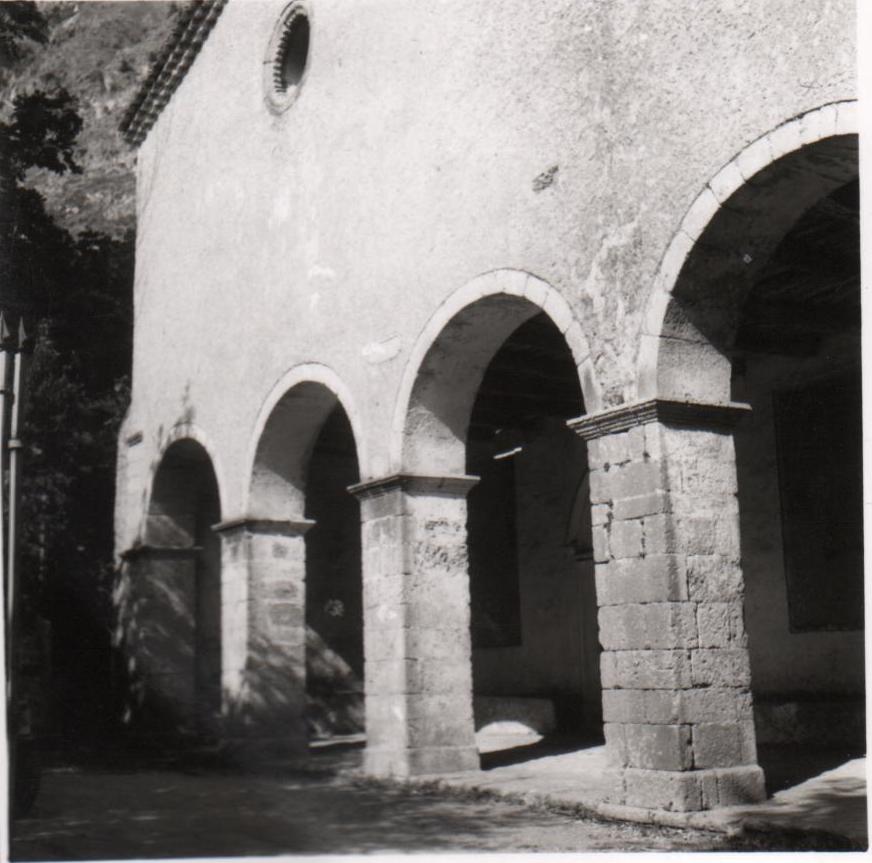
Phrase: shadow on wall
(153, 652)
(334, 691)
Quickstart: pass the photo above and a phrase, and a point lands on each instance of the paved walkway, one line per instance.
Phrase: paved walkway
(527, 798)
(101, 813)
(813, 790)
(833, 801)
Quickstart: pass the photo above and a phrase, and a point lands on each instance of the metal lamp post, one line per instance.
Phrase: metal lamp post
(16, 346)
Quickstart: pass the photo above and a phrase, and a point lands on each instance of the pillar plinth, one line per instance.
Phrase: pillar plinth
(418, 666)
(675, 672)
(264, 632)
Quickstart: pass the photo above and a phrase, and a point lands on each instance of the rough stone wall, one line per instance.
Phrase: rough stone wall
(416, 632)
(675, 670)
(427, 147)
(264, 633)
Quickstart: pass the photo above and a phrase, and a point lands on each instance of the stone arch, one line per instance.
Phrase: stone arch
(302, 542)
(757, 302)
(197, 440)
(284, 435)
(184, 469)
(174, 631)
(486, 473)
(428, 432)
(729, 231)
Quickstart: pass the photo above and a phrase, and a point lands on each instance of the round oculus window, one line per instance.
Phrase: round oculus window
(287, 55)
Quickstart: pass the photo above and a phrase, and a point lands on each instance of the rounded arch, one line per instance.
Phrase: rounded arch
(285, 434)
(185, 450)
(724, 240)
(450, 356)
(179, 616)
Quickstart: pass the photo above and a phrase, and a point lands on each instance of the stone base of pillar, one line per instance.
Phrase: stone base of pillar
(380, 761)
(686, 790)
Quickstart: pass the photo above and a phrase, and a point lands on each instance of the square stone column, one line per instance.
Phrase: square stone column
(156, 601)
(417, 649)
(263, 622)
(675, 673)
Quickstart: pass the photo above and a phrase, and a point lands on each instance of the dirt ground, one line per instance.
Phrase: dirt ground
(99, 812)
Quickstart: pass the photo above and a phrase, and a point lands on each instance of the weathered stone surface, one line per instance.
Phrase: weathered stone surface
(600, 490)
(601, 552)
(721, 624)
(646, 669)
(625, 539)
(723, 744)
(683, 706)
(659, 534)
(641, 505)
(600, 514)
(714, 578)
(739, 785)
(658, 747)
(633, 479)
(612, 450)
(710, 704)
(721, 667)
(679, 791)
(650, 625)
(654, 578)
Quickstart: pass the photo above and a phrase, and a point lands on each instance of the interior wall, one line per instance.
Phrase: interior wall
(334, 600)
(557, 657)
(789, 669)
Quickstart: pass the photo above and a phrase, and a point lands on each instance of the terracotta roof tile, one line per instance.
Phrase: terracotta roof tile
(169, 68)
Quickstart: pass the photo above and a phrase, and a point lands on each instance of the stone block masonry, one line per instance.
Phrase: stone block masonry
(675, 672)
(419, 716)
(264, 634)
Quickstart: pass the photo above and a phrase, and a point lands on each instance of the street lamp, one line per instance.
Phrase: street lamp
(16, 347)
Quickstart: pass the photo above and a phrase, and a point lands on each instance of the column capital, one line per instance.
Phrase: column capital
(453, 485)
(166, 552)
(260, 525)
(700, 415)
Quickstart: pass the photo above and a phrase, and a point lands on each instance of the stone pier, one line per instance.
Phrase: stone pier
(418, 668)
(675, 673)
(264, 633)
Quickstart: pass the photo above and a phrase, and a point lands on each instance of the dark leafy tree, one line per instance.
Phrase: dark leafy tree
(80, 291)
(42, 133)
(20, 23)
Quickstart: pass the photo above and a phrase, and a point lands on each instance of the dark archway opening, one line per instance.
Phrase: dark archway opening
(533, 605)
(334, 594)
(797, 361)
(179, 615)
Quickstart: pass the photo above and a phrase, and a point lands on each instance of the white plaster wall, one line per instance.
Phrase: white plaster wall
(405, 168)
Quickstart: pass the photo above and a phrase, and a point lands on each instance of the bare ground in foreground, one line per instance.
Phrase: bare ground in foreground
(154, 810)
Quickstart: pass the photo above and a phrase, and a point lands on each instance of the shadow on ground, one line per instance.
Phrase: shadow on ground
(551, 744)
(788, 765)
(137, 805)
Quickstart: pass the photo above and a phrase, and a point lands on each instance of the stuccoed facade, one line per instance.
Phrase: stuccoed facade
(618, 174)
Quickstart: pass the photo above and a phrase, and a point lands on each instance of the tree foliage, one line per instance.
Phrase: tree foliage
(79, 289)
(20, 23)
(42, 133)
